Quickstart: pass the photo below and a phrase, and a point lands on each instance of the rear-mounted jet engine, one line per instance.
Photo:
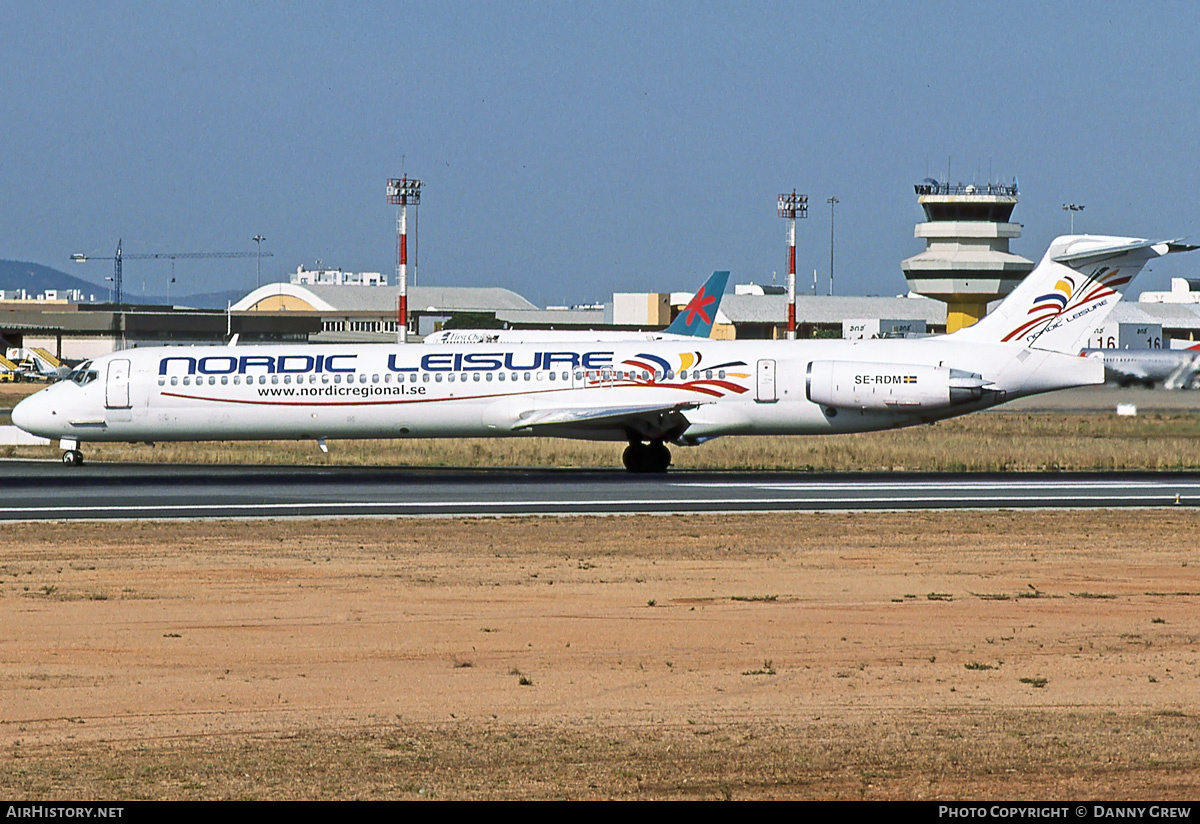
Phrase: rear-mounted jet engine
(882, 386)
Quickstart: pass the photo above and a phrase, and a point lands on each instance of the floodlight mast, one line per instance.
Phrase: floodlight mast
(790, 207)
(1073, 208)
(400, 193)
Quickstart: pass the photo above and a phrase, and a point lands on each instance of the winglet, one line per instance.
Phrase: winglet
(696, 319)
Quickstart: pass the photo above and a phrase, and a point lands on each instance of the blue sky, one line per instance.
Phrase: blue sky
(570, 150)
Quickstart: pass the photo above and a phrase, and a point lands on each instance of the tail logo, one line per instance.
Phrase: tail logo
(698, 306)
(1067, 297)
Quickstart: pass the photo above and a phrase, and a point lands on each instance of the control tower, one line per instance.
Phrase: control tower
(966, 262)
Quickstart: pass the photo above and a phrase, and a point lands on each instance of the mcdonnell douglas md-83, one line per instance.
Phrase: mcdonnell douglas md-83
(645, 393)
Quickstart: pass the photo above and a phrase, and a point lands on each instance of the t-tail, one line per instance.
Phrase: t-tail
(696, 319)
(1071, 291)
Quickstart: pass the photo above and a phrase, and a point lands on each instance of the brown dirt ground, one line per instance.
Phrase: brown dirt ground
(1035, 655)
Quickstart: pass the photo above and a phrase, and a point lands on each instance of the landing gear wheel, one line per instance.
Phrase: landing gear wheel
(72, 457)
(632, 456)
(660, 457)
(646, 458)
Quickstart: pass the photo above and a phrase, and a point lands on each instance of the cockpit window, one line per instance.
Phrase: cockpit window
(83, 374)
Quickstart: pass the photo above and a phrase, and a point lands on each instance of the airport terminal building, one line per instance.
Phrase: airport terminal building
(365, 312)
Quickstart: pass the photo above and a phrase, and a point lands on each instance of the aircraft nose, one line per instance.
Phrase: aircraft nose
(29, 413)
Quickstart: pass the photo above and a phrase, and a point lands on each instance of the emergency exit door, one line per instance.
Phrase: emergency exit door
(767, 393)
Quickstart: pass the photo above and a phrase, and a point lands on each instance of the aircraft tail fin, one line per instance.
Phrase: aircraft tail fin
(1074, 287)
(696, 319)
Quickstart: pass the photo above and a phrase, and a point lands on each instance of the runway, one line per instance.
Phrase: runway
(44, 490)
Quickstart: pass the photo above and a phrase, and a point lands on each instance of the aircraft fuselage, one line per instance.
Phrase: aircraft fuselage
(379, 391)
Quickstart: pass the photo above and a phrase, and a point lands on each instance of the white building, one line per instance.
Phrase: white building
(1181, 292)
(336, 277)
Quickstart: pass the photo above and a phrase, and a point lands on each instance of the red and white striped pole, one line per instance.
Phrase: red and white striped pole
(791, 317)
(791, 206)
(402, 273)
(401, 193)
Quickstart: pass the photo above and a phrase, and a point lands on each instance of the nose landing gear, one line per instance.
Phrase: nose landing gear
(646, 458)
(71, 455)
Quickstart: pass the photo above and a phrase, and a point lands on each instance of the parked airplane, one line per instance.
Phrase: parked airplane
(695, 321)
(1173, 368)
(645, 393)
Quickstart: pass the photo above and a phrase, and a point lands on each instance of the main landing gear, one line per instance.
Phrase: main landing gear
(646, 458)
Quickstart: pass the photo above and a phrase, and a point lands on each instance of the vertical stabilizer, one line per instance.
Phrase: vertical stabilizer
(1074, 287)
(696, 319)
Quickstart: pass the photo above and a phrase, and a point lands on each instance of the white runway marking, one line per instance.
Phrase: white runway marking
(580, 505)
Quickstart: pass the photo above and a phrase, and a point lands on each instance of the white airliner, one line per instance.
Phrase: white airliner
(645, 393)
(1173, 368)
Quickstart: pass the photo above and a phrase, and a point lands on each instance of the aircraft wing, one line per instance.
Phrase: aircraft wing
(648, 422)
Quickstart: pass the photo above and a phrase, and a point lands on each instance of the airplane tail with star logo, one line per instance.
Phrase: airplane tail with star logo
(696, 319)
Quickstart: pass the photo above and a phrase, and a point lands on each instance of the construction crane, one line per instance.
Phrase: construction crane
(173, 256)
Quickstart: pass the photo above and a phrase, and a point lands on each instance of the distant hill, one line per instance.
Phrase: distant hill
(35, 278)
(207, 300)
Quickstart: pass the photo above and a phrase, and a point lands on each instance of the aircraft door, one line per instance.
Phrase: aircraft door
(766, 390)
(116, 385)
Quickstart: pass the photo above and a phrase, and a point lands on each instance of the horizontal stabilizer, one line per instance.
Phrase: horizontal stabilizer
(1076, 259)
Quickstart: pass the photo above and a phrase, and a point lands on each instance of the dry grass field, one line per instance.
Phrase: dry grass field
(970, 655)
(993, 441)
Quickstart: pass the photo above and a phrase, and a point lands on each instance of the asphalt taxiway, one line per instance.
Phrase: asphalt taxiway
(45, 490)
